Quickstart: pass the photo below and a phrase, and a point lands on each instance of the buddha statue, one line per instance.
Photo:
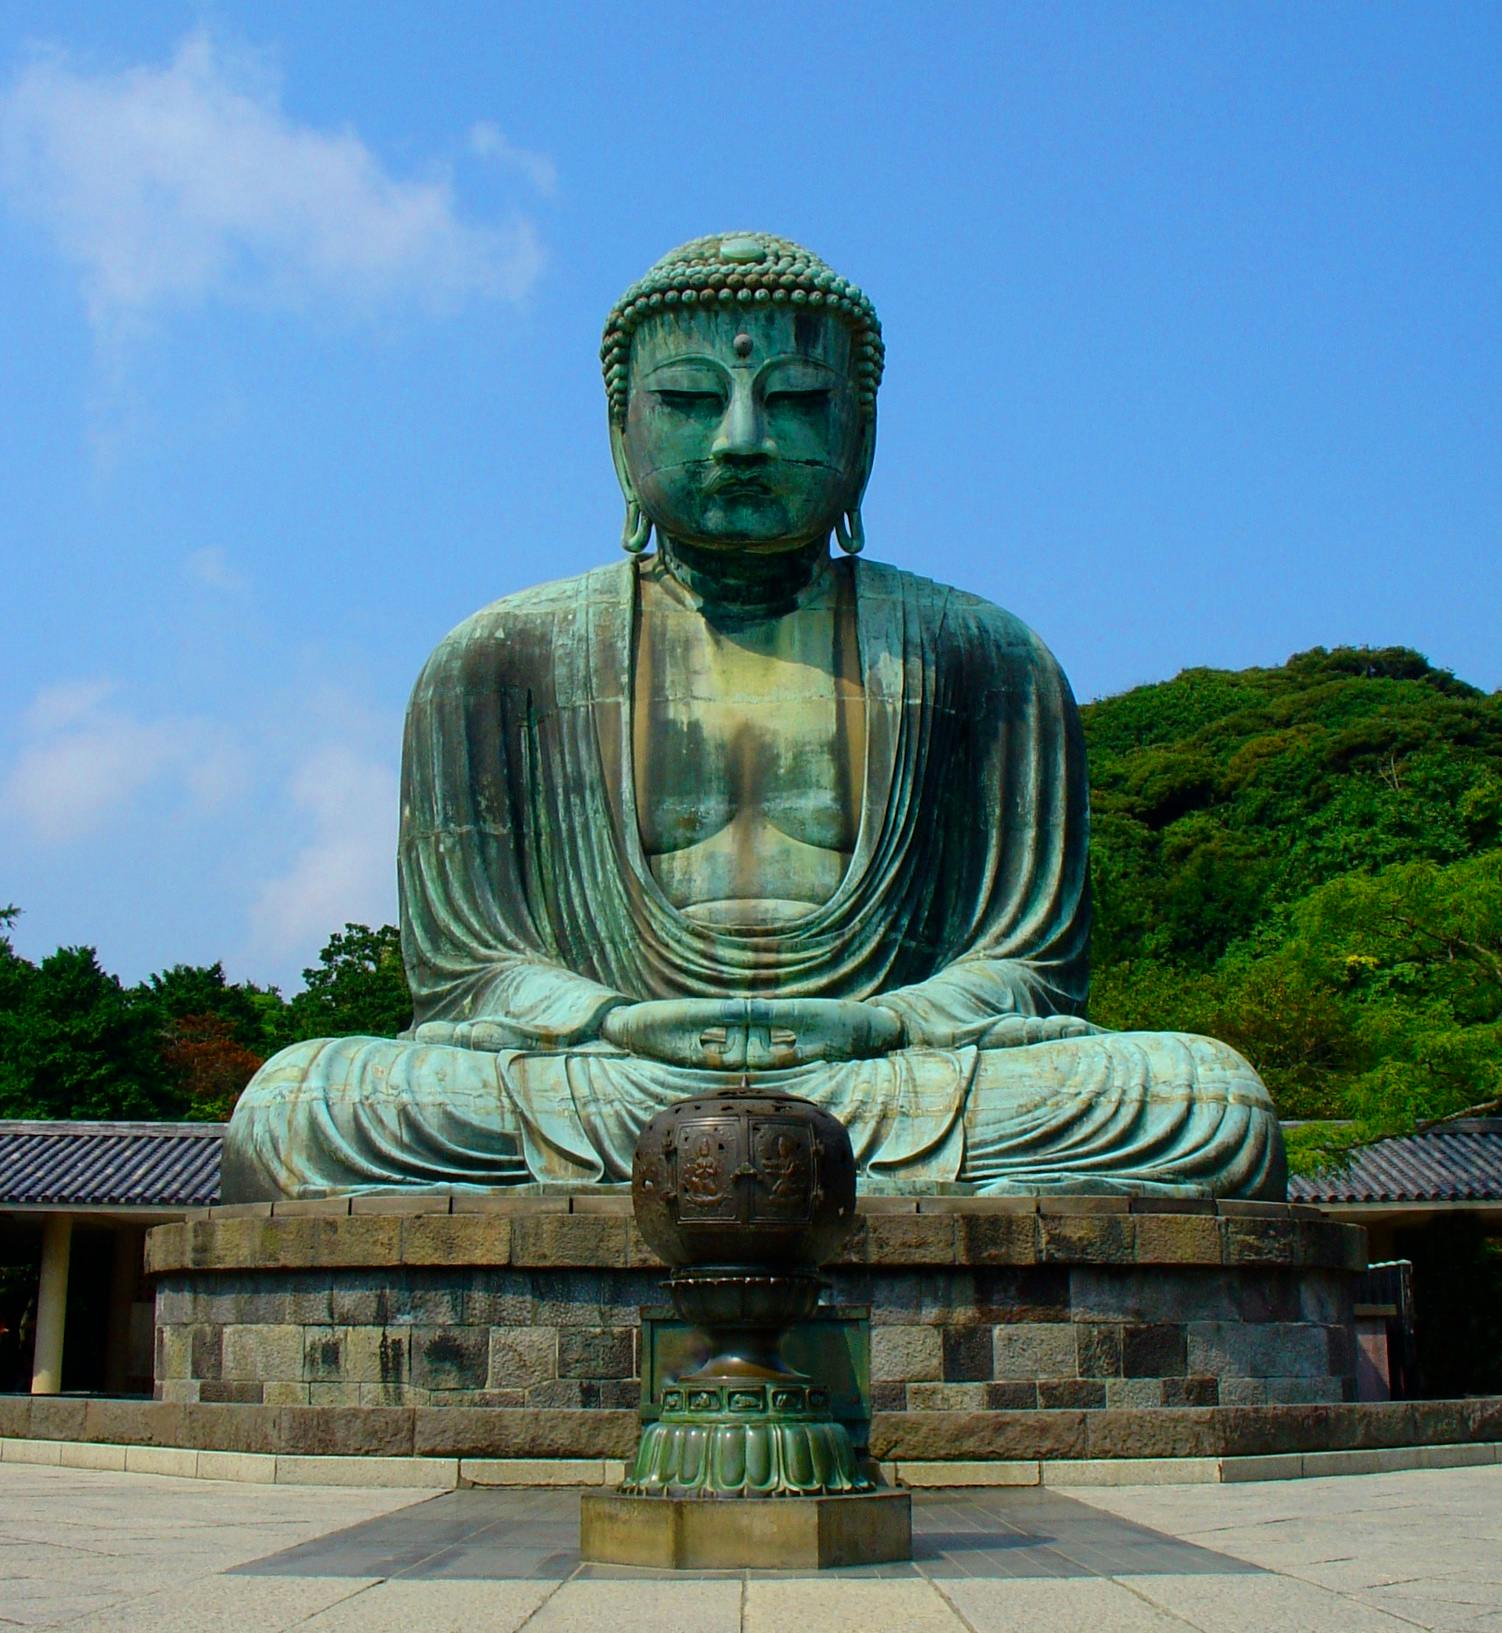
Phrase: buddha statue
(744, 804)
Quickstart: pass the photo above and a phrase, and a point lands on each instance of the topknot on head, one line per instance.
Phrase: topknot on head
(732, 269)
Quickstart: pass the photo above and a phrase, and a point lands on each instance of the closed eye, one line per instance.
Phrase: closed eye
(687, 402)
(798, 396)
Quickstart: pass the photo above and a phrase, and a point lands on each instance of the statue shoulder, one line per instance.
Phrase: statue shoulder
(520, 630)
(965, 623)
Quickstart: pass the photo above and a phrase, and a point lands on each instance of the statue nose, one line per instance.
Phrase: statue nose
(743, 432)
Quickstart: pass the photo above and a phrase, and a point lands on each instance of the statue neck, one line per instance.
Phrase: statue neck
(745, 582)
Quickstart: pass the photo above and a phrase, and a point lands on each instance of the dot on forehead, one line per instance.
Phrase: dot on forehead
(767, 332)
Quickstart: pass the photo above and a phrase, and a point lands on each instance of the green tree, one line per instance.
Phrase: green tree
(214, 1033)
(75, 1043)
(1414, 955)
(358, 987)
(1303, 861)
(256, 1017)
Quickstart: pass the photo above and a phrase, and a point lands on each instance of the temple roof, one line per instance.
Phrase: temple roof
(1459, 1162)
(141, 1165)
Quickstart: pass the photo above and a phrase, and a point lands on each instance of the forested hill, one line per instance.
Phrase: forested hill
(1307, 861)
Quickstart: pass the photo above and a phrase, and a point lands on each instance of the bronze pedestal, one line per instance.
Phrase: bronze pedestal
(745, 1194)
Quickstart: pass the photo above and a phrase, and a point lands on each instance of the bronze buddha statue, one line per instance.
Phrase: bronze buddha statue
(743, 804)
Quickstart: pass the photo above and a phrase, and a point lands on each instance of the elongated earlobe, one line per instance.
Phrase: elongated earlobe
(850, 530)
(637, 532)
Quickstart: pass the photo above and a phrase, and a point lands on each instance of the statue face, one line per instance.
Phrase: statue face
(743, 428)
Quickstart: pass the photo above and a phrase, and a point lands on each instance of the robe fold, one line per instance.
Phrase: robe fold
(528, 904)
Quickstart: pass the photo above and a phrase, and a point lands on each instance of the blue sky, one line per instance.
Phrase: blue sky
(1192, 316)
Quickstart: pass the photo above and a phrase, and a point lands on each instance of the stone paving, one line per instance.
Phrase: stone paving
(102, 1552)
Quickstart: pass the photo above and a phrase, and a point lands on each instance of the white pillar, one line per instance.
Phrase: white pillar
(52, 1305)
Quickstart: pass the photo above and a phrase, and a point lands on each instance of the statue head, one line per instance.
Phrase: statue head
(742, 375)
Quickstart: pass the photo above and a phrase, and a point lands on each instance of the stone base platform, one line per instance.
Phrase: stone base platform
(437, 1448)
(771, 1533)
(530, 1306)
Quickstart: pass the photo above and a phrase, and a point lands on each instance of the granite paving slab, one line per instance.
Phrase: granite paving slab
(495, 1535)
(99, 1551)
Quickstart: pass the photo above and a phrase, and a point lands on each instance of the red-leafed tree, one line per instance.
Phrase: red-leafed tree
(210, 1065)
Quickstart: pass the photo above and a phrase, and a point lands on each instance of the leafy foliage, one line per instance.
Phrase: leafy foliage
(208, 1064)
(1307, 862)
(73, 1041)
(183, 1044)
(359, 986)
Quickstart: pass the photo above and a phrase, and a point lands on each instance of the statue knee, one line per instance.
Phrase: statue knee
(1218, 1064)
(286, 1068)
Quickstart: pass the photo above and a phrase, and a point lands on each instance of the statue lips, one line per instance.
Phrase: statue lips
(739, 484)
(754, 474)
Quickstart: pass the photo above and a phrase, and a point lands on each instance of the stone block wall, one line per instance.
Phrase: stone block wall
(1090, 1337)
(977, 1304)
(431, 1335)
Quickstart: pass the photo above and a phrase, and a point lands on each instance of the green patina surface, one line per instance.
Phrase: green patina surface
(737, 805)
(834, 1347)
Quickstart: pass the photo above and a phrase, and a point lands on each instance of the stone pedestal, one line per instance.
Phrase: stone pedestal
(794, 1533)
(532, 1304)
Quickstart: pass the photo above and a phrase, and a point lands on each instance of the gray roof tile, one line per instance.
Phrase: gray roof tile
(1460, 1162)
(99, 1164)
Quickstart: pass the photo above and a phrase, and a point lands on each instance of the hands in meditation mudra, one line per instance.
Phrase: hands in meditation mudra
(741, 806)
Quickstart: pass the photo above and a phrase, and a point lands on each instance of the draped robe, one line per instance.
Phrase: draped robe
(528, 904)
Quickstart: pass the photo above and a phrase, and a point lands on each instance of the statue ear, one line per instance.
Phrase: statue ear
(849, 529)
(636, 532)
(618, 459)
(867, 454)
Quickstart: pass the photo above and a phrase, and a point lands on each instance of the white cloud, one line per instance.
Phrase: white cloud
(285, 814)
(173, 185)
(345, 871)
(66, 703)
(85, 760)
(211, 567)
(488, 141)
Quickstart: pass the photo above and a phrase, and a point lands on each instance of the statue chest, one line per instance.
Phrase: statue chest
(749, 752)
